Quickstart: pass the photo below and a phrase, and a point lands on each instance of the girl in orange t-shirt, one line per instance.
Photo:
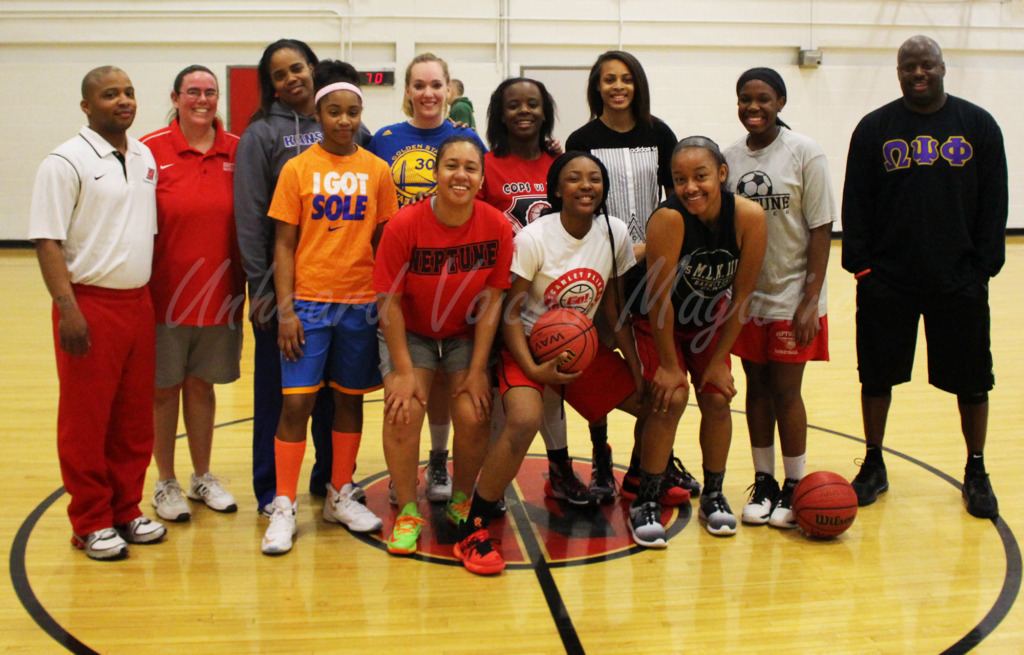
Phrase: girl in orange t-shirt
(330, 205)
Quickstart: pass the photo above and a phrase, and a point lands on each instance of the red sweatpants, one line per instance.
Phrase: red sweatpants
(105, 415)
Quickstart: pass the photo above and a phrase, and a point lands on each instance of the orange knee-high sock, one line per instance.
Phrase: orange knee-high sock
(346, 448)
(288, 459)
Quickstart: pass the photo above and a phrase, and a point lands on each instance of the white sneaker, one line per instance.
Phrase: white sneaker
(169, 503)
(763, 494)
(439, 483)
(278, 538)
(141, 531)
(103, 544)
(340, 507)
(782, 509)
(207, 489)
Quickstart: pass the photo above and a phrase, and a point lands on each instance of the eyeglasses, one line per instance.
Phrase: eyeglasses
(195, 94)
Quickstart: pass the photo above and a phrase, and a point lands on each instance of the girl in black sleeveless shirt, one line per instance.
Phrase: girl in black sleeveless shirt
(708, 261)
(704, 253)
(636, 148)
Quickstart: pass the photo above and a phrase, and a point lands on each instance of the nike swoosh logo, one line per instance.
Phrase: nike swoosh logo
(336, 227)
(166, 166)
(99, 176)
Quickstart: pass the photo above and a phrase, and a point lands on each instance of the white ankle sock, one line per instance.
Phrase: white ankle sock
(439, 436)
(764, 460)
(794, 466)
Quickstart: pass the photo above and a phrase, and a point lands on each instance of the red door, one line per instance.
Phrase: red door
(243, 97)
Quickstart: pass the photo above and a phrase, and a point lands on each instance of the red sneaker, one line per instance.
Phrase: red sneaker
(477, 554)
(672, 494)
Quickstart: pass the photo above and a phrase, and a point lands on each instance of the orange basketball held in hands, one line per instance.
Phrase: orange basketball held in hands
(564, 330)
(825, 504)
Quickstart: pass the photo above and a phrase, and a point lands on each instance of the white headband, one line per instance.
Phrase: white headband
(337, 86)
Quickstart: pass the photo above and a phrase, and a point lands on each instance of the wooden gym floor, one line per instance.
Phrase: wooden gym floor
(914, 574)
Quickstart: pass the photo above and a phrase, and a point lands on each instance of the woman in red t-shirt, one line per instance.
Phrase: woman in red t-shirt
(197, 286)
(520, 118)
(440, 270)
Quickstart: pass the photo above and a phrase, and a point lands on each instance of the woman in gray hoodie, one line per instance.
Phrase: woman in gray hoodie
(282, 127)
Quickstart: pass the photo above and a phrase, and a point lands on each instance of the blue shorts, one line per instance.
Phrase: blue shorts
(341, 340)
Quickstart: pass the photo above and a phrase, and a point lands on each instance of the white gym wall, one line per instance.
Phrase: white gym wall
(692, 50)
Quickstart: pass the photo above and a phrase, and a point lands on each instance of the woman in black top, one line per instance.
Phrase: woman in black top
(636, 148)
(703, 243)
(633, 145)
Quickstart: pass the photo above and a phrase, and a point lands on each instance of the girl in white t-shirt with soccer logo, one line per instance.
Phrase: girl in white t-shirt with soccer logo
(786, 173)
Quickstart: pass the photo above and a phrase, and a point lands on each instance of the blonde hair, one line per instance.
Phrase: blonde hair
(425, 57)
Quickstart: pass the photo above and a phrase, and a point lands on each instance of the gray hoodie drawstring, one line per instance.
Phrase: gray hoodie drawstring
(298, 144)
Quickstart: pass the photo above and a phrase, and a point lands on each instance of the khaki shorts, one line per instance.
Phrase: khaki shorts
(451, 354)
(211, 353)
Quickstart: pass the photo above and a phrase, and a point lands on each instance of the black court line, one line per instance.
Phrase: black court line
(1014, 568)
(563, 621)
(1004, 602)
(19, 578)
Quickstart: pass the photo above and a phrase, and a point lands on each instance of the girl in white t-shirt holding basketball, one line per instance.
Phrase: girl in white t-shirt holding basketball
(787, 174)
(572, 258)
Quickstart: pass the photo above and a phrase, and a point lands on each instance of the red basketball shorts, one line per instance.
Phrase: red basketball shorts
(599, 389)
(694, 349)
(774, 341)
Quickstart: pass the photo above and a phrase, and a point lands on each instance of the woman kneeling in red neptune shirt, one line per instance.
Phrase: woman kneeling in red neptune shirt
(440, 270)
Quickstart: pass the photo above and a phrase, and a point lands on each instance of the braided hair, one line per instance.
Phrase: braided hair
(497, 131)
(602, 208)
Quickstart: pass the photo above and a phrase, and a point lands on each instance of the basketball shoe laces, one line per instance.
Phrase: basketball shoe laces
(279, 523)
(761, 490)
(718, 503)
(462, 509)
(602, 473)
(977, 484)
(570, 481)
(438, 469)
(678, 475)
(481, 542)
(407, 524)
(650, 513)
(785, 498)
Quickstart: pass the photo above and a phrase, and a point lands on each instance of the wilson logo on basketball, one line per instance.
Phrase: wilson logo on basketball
(580, 289)
(820, 519)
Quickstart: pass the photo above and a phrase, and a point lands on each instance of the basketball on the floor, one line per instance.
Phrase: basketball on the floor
(825, 504)
(564, 330)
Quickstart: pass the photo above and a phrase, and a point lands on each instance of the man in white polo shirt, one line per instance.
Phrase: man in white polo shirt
(93, 219)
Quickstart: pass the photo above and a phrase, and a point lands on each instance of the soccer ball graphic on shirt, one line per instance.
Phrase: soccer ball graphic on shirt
(754, 184)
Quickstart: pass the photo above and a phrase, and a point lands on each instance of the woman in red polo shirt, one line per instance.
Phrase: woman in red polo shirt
(197, 287)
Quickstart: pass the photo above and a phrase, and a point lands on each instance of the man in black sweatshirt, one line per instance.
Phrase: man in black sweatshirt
(924, 224)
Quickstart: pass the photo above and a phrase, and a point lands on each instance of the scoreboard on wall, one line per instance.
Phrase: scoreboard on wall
(377, 78)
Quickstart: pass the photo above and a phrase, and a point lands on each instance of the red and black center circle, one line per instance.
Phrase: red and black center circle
(566, 534)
